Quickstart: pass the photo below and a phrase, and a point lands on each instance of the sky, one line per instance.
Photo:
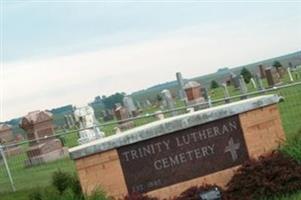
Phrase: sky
(60, 52)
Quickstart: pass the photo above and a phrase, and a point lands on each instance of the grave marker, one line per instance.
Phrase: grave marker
(122, 114)
(130, 106)
(243, 87)
(194, 96)
(226, 93)
(88, 124)
(44, 147)
(181, 84)
(290, 74)
(7, 138)
(168, 101)
(272, 76)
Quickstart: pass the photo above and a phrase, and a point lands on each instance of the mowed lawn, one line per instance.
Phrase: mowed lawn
(26, 178)
(30, 177)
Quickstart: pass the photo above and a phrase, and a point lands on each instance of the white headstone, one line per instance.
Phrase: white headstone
(88, 125)
(159, 115)
(243, 87)
(168, 101)
(130, 105)
(253, 83)
(290, 74)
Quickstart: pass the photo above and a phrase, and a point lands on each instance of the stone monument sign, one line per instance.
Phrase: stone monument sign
(188, 153)
(168, 156)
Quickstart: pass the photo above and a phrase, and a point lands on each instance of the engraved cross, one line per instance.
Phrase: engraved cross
(232, 148)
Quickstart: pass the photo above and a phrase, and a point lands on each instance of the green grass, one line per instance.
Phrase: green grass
(296, 196)
(30, 177)
(19, 195)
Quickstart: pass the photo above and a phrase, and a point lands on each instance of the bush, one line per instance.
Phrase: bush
(76, 187)
(51, 193)
(193, 193)
(36, 194)
(61, 181)
(271, 175)
(98, 195)
(292, 147)
(214, 84)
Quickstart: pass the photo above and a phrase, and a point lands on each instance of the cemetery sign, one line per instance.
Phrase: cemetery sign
(183, 155)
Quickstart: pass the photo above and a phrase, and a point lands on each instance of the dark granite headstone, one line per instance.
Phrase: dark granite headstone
(261, 71)
(272, 76)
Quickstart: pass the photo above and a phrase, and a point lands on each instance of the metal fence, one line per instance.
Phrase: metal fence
(16, 173)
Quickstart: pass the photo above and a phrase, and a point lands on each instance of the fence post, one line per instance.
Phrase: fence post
(7, 168)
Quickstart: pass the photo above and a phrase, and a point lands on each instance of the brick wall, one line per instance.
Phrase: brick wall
(263, 132)
(102, 171)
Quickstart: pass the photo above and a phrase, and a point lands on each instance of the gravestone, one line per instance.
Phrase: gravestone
(130, 106)
(290, 74)
(139, 106)
(7, 138)
(253, 83)
(168, 101)
(122, 115)
(6, 134)
(43, 146)
(281, 71)
(272, 76)
(67, 121)
(148, 103)
(181, 84)
(194, 95)
(159, 115)
(235, 80)
(89, 127)
(226, 93)
(166, 157)
(262, 71)
(107, 115)
(243, 88)
(259, 83)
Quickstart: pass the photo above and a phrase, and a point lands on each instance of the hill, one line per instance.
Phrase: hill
(293, 59)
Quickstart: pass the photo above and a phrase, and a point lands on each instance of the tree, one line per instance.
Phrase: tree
(214, 84)
(278, 67)
(277, 64)
(159, 98)
(246, 74)
(110, 101)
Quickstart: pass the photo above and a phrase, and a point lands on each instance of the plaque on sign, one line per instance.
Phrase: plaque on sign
(183, 155)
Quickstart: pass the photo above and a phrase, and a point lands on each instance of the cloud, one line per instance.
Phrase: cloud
(194, 51)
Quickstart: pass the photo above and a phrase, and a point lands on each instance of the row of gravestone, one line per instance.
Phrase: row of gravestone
(45, 147)
(191, 92)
